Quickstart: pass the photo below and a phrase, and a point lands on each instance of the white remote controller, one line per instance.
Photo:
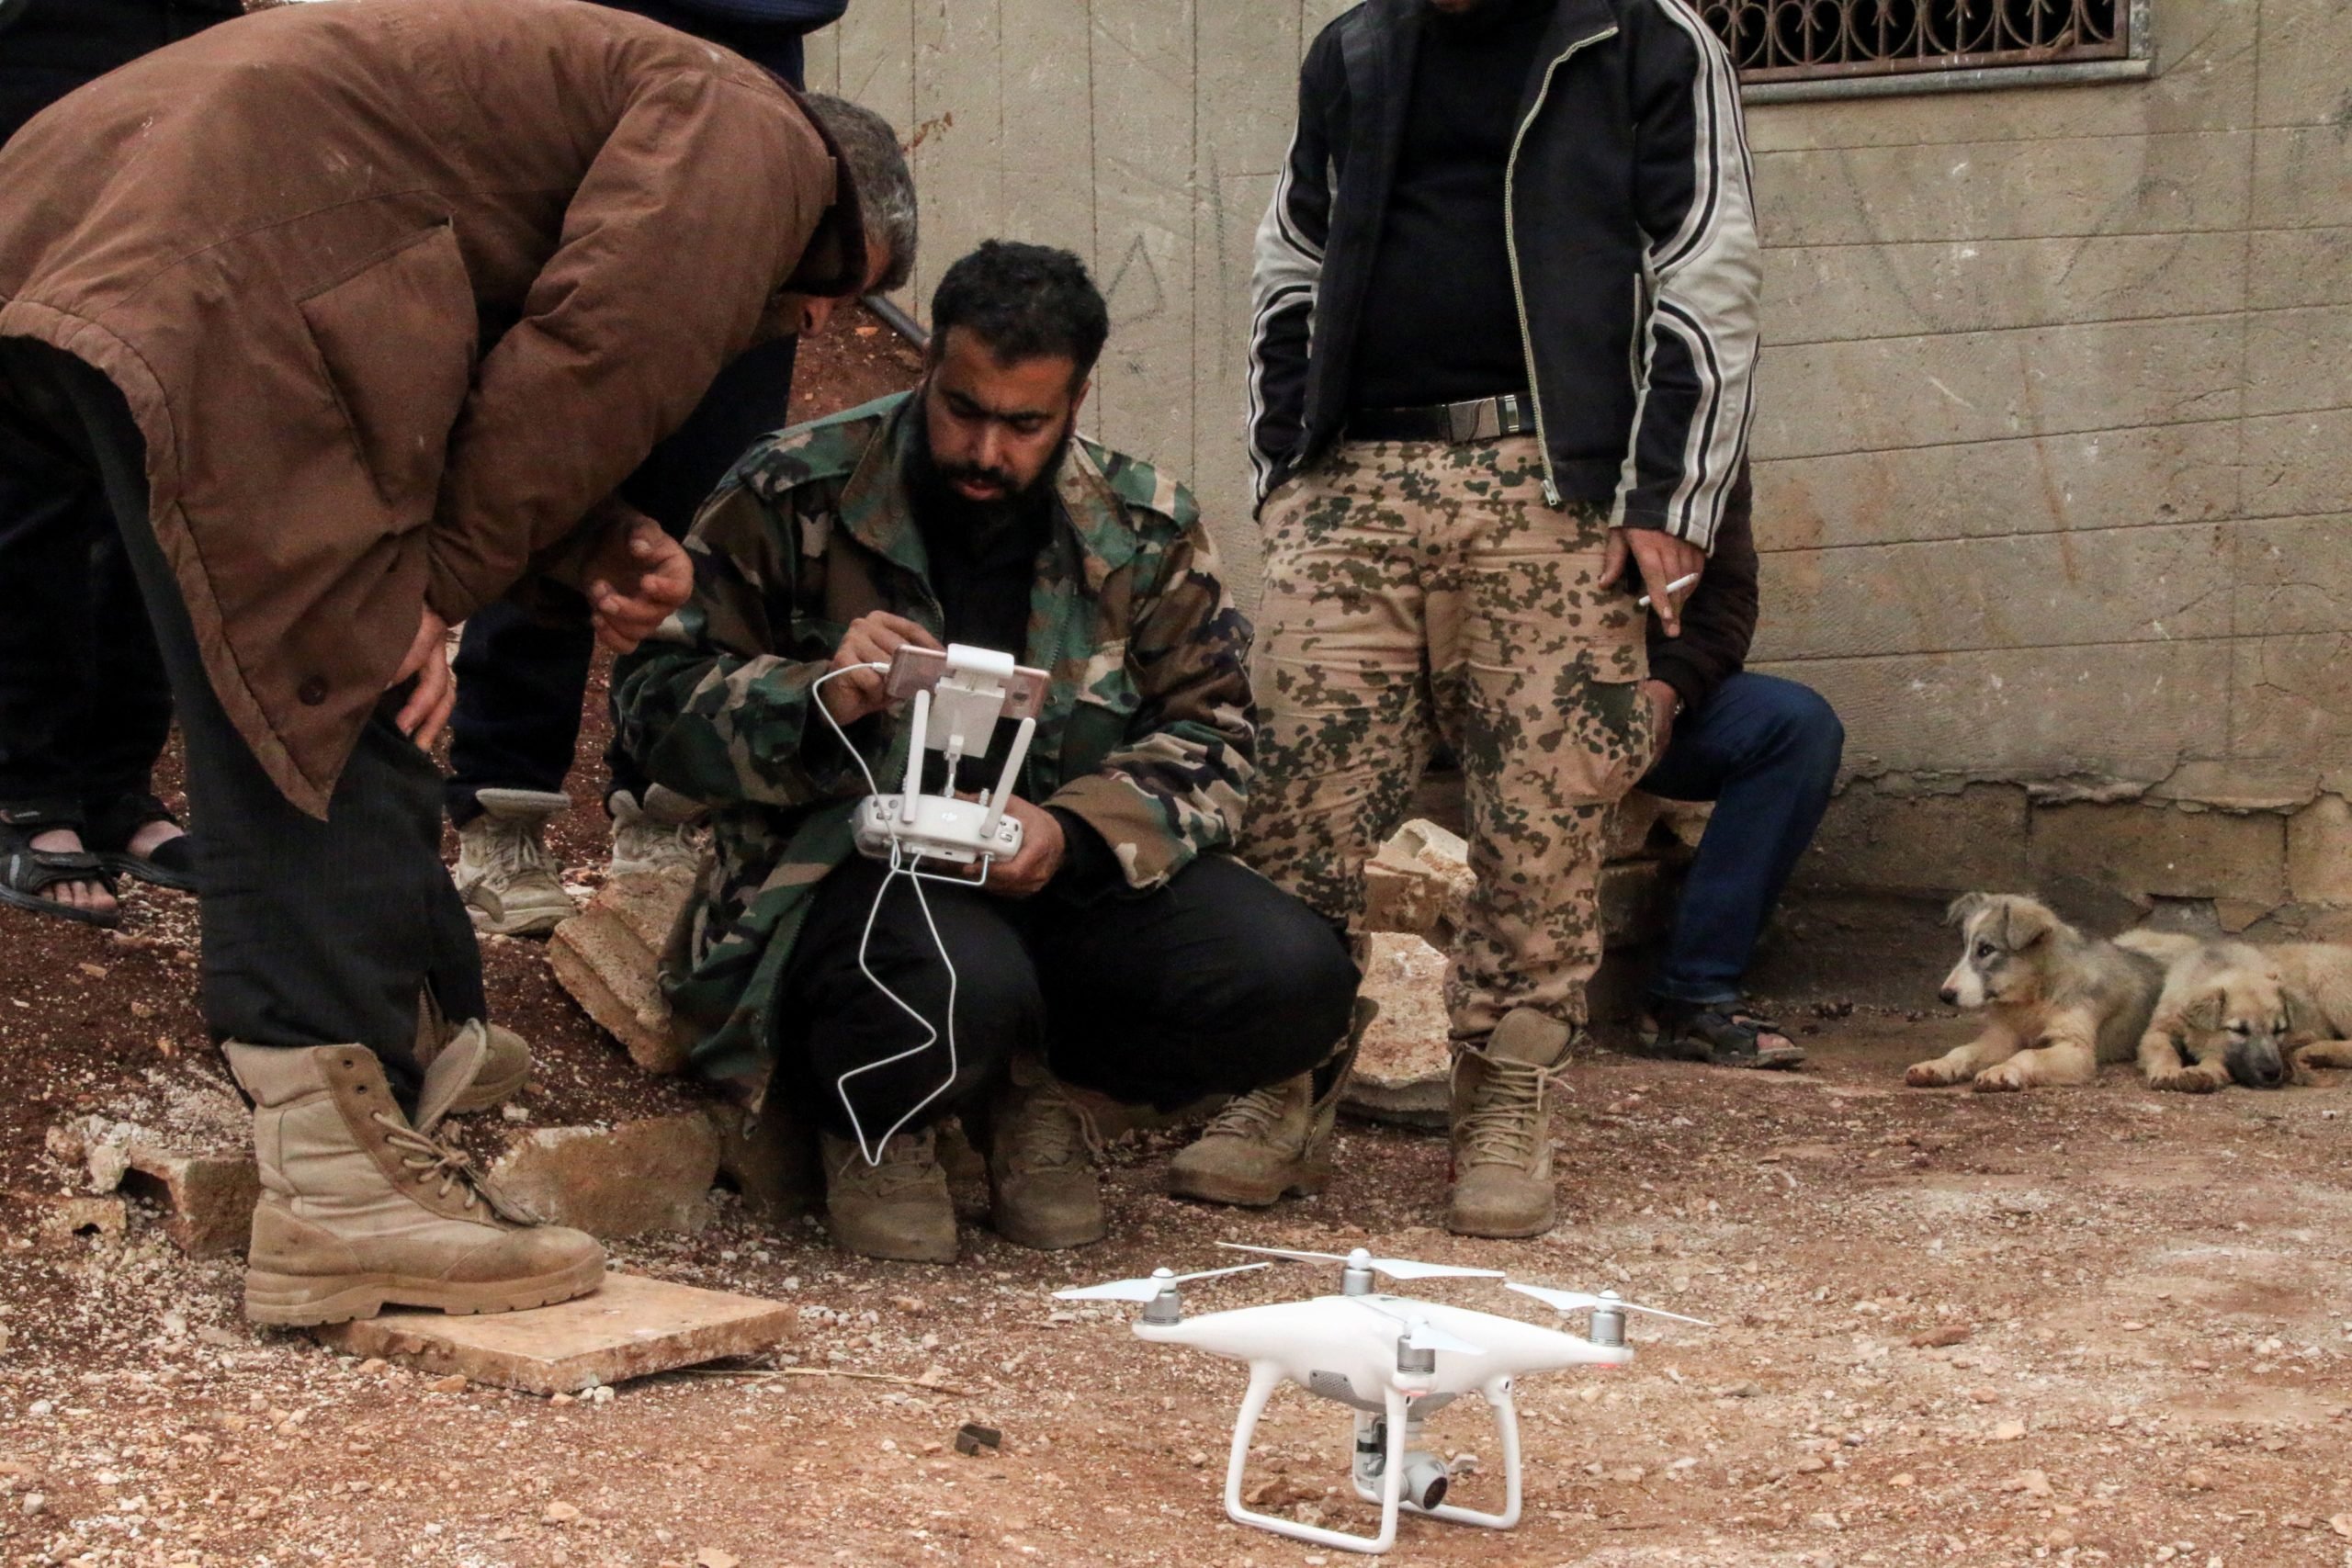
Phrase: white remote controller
(959, 693)
(942, 829)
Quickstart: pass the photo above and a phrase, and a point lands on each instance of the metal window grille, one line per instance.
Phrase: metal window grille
(1801, 41)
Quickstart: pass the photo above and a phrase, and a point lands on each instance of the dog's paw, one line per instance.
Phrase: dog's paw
(2188, 1080)
(2004, 1079)
(1931, 1074)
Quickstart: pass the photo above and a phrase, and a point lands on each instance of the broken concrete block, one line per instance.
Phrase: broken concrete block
(1686, 819)
(1419, 882)
(631, 1328)
(1403, 1064)
(608, 957)
(208, 1199)
(651, 1175)
(1630, 821)
(206, 1195)
(71, 1216)
(770, 1157)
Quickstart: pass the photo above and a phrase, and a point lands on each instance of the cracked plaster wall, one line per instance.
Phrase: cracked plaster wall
(2054, 432)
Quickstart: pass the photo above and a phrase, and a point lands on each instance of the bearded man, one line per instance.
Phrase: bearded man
(1122, 952)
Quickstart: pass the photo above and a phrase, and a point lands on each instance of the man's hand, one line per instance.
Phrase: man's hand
(427, 708)
(636, 577)
(874, 637)
(1663, 700)
(1661, 558)
(1041, 847)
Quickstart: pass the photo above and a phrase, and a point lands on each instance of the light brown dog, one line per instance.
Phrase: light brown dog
(2222, 1016)
(2059, 1002)
(2318, 978)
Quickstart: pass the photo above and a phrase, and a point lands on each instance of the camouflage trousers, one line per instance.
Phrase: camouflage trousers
(1417, 590)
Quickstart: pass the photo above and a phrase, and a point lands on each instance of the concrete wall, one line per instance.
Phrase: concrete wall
(2054, 444)
(1144, 135)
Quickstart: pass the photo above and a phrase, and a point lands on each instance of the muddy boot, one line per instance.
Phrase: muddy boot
(1043, 1189)
(511, 884)
(359, 1210)
(506, 1063)
(1272, 1142)
(664, 832)
(898, 1209)
(1502, 1129)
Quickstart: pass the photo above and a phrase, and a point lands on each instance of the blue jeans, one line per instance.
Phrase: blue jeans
(1765, 750)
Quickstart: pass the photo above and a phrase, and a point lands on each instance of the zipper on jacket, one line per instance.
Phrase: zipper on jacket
(1510, 243)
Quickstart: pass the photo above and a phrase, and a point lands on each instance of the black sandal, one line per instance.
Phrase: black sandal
(1697, 1032)
(26, 874)
(112, 825)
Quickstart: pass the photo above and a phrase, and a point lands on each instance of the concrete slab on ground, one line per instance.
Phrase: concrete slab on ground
(608, 957)
(632, 1327)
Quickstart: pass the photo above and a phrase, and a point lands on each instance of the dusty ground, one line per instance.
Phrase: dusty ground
(2097, 1325)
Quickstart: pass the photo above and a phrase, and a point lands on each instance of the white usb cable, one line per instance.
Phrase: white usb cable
(872, 1151)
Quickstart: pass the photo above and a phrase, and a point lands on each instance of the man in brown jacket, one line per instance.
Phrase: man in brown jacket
(357, 311)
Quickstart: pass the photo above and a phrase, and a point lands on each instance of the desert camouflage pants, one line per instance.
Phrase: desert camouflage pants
(1416, 590)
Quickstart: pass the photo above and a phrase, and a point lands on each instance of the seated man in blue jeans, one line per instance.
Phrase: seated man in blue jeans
(1765, 750)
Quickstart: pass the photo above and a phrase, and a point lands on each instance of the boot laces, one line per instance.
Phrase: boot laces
(431, 1158)
(658, 845)
(1054, 1130)
(513, 850)
(1505, 1123)
(1254, 1116)
(906, 1161)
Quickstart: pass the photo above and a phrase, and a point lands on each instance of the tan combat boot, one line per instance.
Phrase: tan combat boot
(505, 1063)
(359, 1210)
(898, 1209)
(663, 832)
(1272, 1142)
(1042, 1183)
(1502, 1130)
(512, 886)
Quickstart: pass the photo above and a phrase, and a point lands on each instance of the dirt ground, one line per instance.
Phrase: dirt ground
(2092, 1327)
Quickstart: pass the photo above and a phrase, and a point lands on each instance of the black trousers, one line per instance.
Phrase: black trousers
(521, 680)
(83, 707)
(83, 710)
(315, 932)
(1218, 983)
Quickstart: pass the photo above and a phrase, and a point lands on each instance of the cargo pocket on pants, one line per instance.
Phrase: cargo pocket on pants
(1606, 736)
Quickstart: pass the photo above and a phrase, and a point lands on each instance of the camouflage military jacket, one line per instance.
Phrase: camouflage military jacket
(1146, 732)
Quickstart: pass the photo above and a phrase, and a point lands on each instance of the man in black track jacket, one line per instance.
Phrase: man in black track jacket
(1499, 374)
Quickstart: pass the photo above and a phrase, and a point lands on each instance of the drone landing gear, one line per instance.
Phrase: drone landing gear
(1388, 1459)
(1497, 1397)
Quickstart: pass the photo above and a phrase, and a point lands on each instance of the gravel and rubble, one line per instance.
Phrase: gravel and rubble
(2097, 1326)
(2087, 1327)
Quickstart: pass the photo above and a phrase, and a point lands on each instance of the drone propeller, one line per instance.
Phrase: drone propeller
(1419, 1333)
(1144, 1290)
(1578, 1301)
(1395, 1268)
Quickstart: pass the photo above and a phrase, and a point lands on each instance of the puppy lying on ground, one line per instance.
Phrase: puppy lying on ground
(2059, 1002)
(2318, 980)
(2222, 1016)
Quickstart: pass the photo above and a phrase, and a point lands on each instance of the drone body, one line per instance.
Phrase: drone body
(1394, 1359)
(1350, 1354)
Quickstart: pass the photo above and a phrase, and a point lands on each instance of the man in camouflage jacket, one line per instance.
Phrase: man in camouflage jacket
(1143, 964)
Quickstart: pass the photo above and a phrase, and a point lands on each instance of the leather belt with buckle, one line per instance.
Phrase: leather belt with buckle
(1481, 419)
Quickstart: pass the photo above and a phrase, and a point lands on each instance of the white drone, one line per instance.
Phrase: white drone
(1392, 1359)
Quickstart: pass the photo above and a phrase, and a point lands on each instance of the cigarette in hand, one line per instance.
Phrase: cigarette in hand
(1677, 586)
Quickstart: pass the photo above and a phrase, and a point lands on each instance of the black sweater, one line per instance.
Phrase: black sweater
(1441, 324)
